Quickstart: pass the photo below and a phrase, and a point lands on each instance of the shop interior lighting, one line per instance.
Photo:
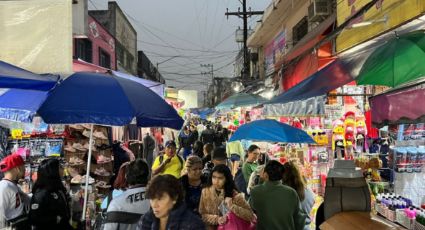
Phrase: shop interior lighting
(370, 22)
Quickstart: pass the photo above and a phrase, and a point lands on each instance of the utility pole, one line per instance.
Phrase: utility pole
(244, 15)
(211, 72)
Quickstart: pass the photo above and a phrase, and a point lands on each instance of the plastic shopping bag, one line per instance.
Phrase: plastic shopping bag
(236, 223)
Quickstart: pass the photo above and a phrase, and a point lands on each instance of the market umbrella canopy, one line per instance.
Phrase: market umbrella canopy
(271, 131)
(398, 61)
(240, 100)
(109, 100)
(14, 77)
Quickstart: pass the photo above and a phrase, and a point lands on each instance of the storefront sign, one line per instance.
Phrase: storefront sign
(274, 51)
(384, 16)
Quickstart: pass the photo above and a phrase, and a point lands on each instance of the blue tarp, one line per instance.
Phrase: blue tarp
(271, 131)
(14, 77)
(20, 105)
(332, 76)
(241, 100)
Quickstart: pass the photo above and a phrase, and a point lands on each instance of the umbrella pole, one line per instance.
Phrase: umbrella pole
(86, 194)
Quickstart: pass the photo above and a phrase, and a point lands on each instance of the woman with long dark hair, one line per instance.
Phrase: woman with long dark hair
(220, 197)
(50, 201)
(292, 177)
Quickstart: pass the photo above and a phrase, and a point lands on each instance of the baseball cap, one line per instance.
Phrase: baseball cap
(10, 162)
(170, 143)
(219, 154)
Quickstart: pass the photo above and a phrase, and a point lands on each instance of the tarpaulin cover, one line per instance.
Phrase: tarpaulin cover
(399, 106)
(271, 131)
(202, 112)
(157, 87)
(311, 106)
(240, 100)
(334, 75)
(109, 100)
(14, 77)
(20, 105)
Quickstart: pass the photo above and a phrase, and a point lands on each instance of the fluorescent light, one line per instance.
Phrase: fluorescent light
(361, 24)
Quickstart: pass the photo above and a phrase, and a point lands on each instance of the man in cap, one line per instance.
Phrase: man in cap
(13, 201)
(169, 162)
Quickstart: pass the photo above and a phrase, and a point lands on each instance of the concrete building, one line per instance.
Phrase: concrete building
(146, 69)
(97, 51)
(286, 31)
(116, 22)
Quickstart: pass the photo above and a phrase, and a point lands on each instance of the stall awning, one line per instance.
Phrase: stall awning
(334, 75)
(314, 106)
(305, 67)
(402, 105)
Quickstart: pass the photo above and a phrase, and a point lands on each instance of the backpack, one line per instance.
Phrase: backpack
(240, 182)
(161, 159)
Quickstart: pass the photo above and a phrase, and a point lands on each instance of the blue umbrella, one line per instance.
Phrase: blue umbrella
(271, 131)
(14, 77)
(108, 100)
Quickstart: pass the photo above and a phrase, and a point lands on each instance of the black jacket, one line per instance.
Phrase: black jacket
(208, 136)
(50, 210)
(180, 218)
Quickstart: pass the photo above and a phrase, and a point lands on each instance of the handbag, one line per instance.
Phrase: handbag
(236, 223)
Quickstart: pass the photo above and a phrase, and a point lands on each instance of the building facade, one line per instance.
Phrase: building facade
(116, 22)
(146, 69)
(287, 31)
(98, 48)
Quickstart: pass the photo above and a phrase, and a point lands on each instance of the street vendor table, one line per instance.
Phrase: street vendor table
(357, 221)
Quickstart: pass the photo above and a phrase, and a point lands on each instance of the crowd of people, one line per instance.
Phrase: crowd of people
(203, 182)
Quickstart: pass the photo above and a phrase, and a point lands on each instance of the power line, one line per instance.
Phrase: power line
(185, 49)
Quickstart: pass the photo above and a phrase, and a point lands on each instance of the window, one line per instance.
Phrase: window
(83, 49)
(104, 59)
(299, 30)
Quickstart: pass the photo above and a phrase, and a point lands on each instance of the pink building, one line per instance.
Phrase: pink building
(98, 49)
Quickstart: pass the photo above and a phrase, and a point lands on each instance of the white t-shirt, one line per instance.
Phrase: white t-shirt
(13, 202)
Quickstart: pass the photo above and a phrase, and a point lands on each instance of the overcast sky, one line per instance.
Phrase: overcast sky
(196, 31)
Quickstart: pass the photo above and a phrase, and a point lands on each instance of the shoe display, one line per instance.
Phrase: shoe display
(86, 133)
(83, 180)
(77, 127)
(78, 147)
(76, 179)
(100, 135)
(86, 146)
(75, 161)
(101, 159)
(101, 172)
(102, 184)
(69, 148)
(86, 126)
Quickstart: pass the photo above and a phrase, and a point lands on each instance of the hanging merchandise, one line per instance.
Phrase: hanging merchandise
(338, 139)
